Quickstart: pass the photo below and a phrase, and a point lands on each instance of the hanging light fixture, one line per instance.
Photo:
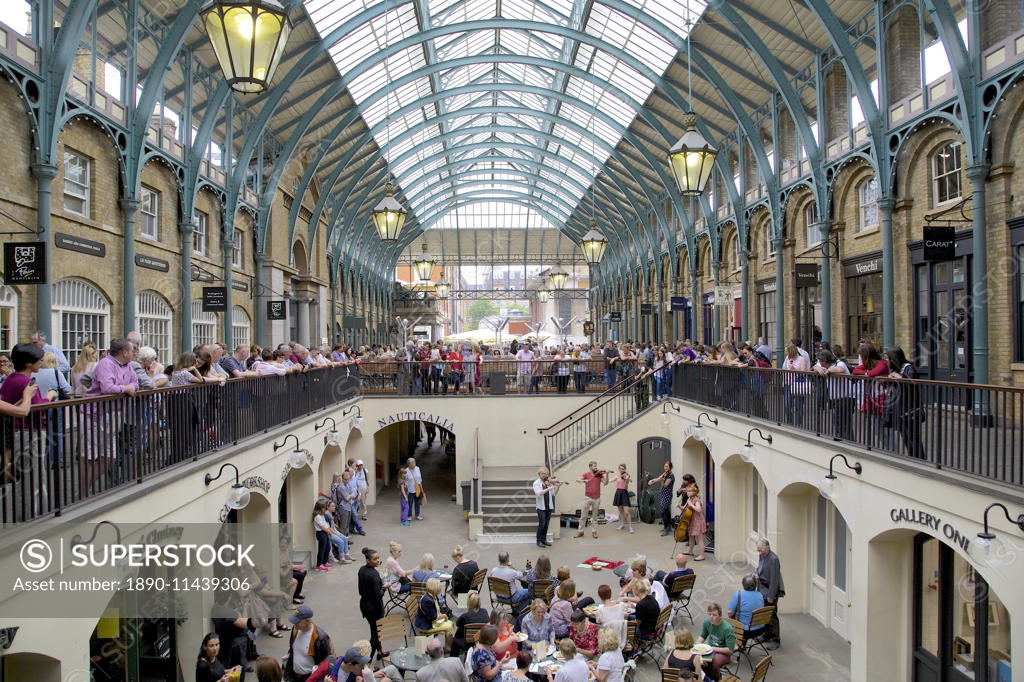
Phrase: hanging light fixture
(424, 265)
(442, 288)
(692, 157)
(248, 37)
(830, 486)
(388, 216)
(593, 245)
(238, 495)
(543, 293)
(558, 276)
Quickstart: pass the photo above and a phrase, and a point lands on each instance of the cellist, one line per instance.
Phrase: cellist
(696, 526)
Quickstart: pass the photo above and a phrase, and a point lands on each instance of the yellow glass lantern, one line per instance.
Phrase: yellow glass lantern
(248, 37)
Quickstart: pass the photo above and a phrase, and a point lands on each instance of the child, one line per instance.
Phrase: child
(405, 495)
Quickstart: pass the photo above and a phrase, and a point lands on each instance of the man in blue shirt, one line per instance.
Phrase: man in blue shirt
(39, 339)
(667, 578)
(744, 602)
(234, 364)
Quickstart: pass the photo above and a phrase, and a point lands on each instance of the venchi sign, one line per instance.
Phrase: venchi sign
(922, 518)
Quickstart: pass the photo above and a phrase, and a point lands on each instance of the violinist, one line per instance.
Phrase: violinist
(592, 481)
(545, 488)
(667, 481)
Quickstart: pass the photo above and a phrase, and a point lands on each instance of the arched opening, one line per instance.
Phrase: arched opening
(433, 447)
(256, 512)
(30, 666)
(155, 320)
(8, 317)
(651, 455)
(80, 313)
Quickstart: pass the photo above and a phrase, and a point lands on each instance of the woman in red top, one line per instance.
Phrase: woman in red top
(455, 368)
(872, 365)
(583, 634)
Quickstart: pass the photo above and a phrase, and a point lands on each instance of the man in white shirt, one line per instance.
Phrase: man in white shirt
(39, 339)
(545, 492)
(413, 477)
(363, 484)
(576, 670)
(800, 350)
(525, 370)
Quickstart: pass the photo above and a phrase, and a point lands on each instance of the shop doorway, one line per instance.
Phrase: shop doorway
(944, 319)
(833, 545)
(651, 455)
(128, 649)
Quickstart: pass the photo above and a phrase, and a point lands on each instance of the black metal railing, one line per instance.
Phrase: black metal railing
(67, 451)
(584, 425)
(976, 429)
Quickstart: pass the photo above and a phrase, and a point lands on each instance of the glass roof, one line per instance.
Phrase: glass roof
(570, 124)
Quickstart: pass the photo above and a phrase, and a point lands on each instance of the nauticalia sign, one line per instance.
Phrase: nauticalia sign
(412, 415)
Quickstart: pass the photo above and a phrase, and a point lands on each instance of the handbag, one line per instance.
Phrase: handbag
(62, 393)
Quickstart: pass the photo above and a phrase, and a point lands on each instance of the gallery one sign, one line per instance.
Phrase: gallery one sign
(932, 522)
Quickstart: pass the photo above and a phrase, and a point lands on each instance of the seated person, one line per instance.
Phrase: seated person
(575, 667)
(432, 618)
(647, 610)
(637, 571)
(506, 571)
(611, 614)
(667, 578)
(426, 570)
(744, 602)
(474, 614)
(506, 642)
(660, 594)
(397, 577)
(561, 608)
(536, 623)
(718, 634)
(680, 657)
(583, 634)
(540, 571)
(462, 574)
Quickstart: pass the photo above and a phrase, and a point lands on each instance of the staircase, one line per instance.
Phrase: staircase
(509, 509)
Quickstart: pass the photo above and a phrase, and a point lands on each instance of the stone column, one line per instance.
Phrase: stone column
(45, 173)
(129, 207)
(185, 228)
(979, 275)
(885, 207)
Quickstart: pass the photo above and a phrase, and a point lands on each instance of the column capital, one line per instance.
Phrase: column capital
(128, 204)
(44, 171)
(186, 227)
(886, 204)
(978, 172)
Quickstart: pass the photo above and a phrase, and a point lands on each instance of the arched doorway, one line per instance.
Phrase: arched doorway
(30, 666)
(651, 455)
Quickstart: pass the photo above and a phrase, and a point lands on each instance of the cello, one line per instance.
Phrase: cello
(684, 524)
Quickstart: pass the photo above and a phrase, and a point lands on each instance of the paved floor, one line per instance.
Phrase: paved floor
(810, 652)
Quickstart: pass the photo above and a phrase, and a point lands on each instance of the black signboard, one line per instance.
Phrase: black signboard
(239, 285)
(679, 303)
(645, 308)
(868, 266)
(25, 263)
(615, 316)
(353, 322)
(215, 299)
(79, 244)
(588, 328)
(276, 310)
(151, 263)
(807, 275)
(939, 243)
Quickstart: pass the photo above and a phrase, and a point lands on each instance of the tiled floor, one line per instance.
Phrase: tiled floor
(810, 652)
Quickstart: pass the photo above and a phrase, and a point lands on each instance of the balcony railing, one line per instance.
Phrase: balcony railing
(972, 428)
(67, 451)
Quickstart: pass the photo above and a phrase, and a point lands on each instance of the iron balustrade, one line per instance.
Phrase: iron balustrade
(972, 428)
(67, 451)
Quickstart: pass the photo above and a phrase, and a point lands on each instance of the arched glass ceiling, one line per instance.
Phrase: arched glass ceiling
(425, 161)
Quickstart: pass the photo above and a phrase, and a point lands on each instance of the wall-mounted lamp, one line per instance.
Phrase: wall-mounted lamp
(297, 457)
(698, 430)
(664, 412)
(358, 421)
(332, 436)
(990, 549)
(829, 486)
(238, 496)
(76, 539)
(747, 454)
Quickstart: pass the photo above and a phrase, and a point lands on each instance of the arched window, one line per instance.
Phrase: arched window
(811, 224)
(80, 313)
(241, 327)
(867, 205)
(154, 318)
(204, 325)
(8, 317)
(946, 180)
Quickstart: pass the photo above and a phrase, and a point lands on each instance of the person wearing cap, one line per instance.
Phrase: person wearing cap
(441, 668)
(308, 646)
(362, 479)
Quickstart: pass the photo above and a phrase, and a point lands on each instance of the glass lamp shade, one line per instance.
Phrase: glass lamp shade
(593, 245)
(248, 37)
(989, 550)
(332, 438)
(829, 487)
(297, 459)
(664, 418)
(359, 421)
(388, 216)
(558, 276)
(238, 497)
(442, 289)
(424, 265)
(698, 432)
(543, 294)
(692, 158)
(747, 453)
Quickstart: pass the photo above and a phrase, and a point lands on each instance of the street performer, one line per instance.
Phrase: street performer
(545, 488)
(592, 481)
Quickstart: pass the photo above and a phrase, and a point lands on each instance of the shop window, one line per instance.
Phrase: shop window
(864, 310)
(811, 224)
(201, 234)
(149, 209)
(204, 325)
(946, 180)
(80, 313)
(766, 316)
(8, 317)
(237, 252)
(241, 327)
(77, 176)
(154, 319)
(867, 205)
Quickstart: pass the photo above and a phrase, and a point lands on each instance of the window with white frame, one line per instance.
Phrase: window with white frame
(241, 327)
(80, 313)
(149, 212)
(811, 223)
(8, 317)
(201, 234)
(204, 325)
(769, 242)
(867, 203)
(154, 319)
(237, 252)
(946, 181)
(77, 174)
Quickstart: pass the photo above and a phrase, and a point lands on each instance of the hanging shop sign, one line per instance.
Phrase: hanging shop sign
(939, 243)
(25, 263)
(679, 303)
(646, 308)
(239, 285)
(864, 267)
(707, 298)
(215, 299)
(353, 322)
(79, 244)
(807, 275)
(766, 286)
(615, 316)
(275, 310)
(588, 328)
(151, 263)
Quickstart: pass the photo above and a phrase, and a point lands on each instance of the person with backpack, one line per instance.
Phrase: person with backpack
(308, 646)
(904, 411)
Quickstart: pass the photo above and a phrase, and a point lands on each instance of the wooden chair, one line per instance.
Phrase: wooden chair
(757, 631)
(629, 648)
(501, 593)
(395, 600)
(679, 595)
(473, 631)
(391, 628)
(478, 580)
(412, 609)
(418, 589)
(760, 671)
(740, 636)
(646, 646)
(669, 675)
(542, 589)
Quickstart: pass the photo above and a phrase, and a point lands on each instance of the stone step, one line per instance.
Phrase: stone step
(501, 538)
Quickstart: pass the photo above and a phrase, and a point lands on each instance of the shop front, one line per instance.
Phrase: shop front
(863, 285)
(766, 310)
(808, 304)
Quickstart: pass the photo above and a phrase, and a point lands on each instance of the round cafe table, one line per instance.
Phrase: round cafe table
(406, 659)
